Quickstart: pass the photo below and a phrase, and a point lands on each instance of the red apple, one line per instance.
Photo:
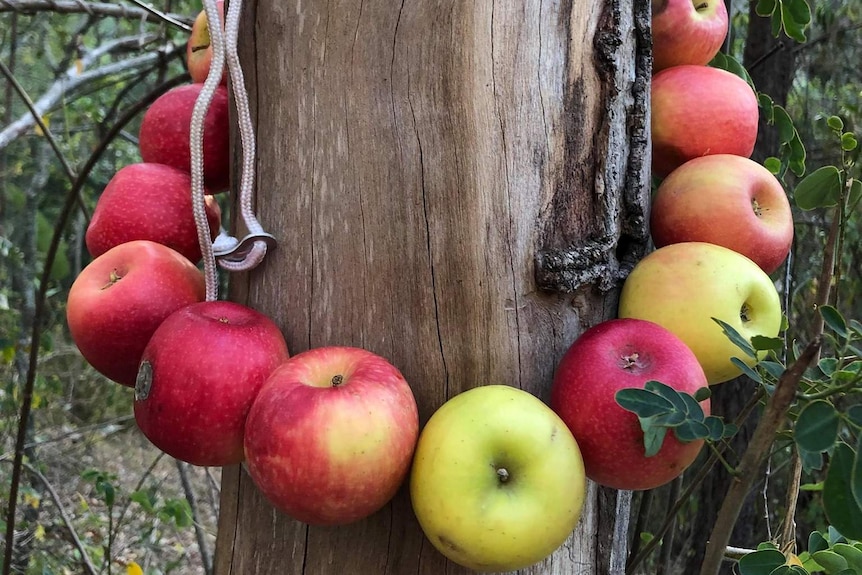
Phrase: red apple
(614, 355)
(121, 297)
(687, 31)
(149, 202)
(726, 200)
(164, 135)
(199, 51)
(697, 111)
(198, 377)
(331, 434)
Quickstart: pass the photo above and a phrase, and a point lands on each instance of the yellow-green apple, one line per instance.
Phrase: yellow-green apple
(498, 481)
(149, 202)
(165, 131)
(199, 50)
(697, 111)
(687, 31)
(121, 297)
(614, 355)
(330, 435)
(198, 377)
(683, 286)
(726, 200)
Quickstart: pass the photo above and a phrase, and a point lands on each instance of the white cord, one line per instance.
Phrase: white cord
(196, 143)
(224, 44)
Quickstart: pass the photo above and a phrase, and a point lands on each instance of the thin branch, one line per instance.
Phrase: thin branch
(147, 14)
(72, 80)
(52, 141)
(200, 535)
(774, 416)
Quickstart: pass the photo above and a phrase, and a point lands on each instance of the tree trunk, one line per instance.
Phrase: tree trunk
(459, 187)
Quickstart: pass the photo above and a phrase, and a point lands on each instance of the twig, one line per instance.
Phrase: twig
(770, 422)
(95, 9)
(26, 396)
(787, 543)
(664, 563)
(206, 558)
(72, 80)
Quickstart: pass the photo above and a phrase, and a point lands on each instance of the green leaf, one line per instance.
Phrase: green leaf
(653, 439)
(811, 461)
(811, 486)
(817, 426)
(765, 7)
(839, 504)
(691, 430)
(848, 142)
(795, 17)
(854, 414)
(715, 426)
(736, 338)
(763, 343)
(819, 189)
(642, 402)
(703, 394)
(773, 368)
(145, 499)
(730, 429)
(761, 562)
(784, 123)
(668, 393)
(828, 365)
(852, 555)
(816, 542)
(772, 164)
(692, 407)
(669, 419)
(746, 369)
(835, 123)
(829, 560)
(855, 192)
(730, 64)
(833, 318)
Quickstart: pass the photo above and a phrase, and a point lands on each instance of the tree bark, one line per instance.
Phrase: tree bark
(459, 187)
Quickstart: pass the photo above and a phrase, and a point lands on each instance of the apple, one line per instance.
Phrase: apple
(117, 302)
(330, 436)
(697, 111)
(149, 202)
(198, 377)
(687, 31)
(683, 286)
(165, 132)
(614, 355)
(199, 51)
(726, 200)
(498, 481)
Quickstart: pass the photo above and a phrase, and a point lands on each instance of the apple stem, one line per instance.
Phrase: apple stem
(503, 474)
(337, 380)
(112, 279)
(743, 313)
(702, 6)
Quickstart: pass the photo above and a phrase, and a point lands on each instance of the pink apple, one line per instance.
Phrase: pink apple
(687, 31)
(164, 135)
(198, 377)
(331, 434)
(697, 111)
(121, 297)
(149, 202)
(199, 51)
(726, 200)
(614, 355)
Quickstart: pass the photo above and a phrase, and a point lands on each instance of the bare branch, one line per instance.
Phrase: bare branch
(72, 80)
(147, 14)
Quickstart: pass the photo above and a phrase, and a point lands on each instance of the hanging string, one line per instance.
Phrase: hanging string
(196, 144)
(231, 254)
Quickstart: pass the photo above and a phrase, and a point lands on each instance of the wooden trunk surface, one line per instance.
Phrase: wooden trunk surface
(422, 163)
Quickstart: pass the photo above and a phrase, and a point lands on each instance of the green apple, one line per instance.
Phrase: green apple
(498, 480)
(683, 286)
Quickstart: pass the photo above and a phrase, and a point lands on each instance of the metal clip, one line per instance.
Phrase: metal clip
(238, 251)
